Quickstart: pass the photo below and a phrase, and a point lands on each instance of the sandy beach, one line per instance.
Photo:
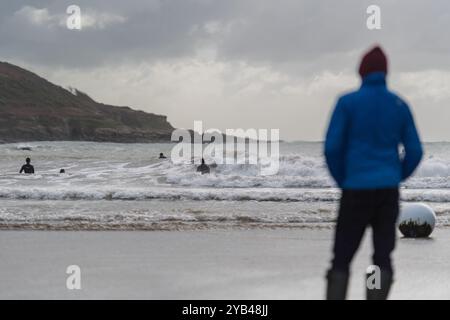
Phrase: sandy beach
(213, 264)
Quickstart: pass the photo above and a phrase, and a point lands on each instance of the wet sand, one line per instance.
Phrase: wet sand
(213, 264)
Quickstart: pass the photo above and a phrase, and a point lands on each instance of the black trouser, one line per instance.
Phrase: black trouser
(361, 208)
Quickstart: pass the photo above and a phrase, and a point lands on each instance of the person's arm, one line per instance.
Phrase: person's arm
(335, 143)
(21, 170)
(411, 143)
(32, 169)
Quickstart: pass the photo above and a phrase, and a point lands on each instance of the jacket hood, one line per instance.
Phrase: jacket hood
(374, 78)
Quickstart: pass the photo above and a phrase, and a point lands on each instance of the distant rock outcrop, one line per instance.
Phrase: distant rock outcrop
(33, 109)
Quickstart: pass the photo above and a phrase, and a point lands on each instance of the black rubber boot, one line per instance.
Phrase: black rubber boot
(386, 280)
(337, 282)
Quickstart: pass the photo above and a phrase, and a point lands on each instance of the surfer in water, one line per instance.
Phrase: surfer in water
(27, 168)
(203, 168)
(162, 156)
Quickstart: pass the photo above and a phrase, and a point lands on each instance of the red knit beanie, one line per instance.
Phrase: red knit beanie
(373, 61)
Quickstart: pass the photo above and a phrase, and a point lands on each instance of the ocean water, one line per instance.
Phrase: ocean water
(125, 186)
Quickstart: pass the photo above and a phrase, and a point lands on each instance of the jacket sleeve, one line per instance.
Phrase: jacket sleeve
(335, 143)
(411, 143)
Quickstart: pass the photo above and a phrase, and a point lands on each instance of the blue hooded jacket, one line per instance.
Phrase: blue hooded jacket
(363, 139)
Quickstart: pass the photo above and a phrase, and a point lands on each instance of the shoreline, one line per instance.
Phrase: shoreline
(167, 227)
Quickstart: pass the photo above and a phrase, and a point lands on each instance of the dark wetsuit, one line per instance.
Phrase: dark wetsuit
(203, 168)
(27, 168)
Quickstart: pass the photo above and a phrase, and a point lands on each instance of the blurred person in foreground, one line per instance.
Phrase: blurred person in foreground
(366, 130)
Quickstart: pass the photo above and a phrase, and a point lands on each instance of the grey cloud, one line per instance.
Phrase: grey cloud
(293, 35)
(154, 30)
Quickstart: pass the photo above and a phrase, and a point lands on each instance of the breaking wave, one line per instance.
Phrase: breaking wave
(124, 172)
(203, 194)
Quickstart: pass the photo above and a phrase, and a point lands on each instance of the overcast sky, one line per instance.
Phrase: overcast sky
(235, 63)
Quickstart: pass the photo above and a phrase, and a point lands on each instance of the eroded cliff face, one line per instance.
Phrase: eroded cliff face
(33, 109)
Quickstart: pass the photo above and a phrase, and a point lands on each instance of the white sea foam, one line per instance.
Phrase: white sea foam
(203, 194)
(128, 176)
(96, 165)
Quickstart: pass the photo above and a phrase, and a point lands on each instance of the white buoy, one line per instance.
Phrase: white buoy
(417, 220)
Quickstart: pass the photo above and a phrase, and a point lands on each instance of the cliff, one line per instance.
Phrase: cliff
(33, 109)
